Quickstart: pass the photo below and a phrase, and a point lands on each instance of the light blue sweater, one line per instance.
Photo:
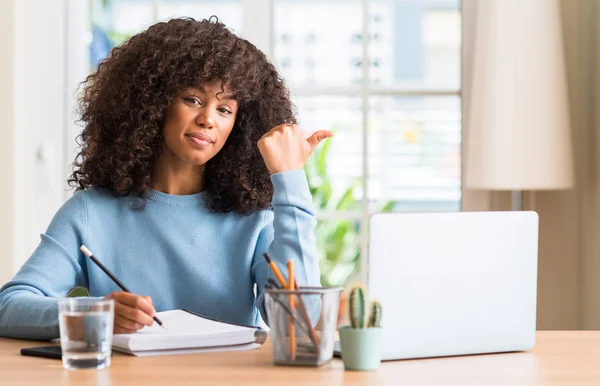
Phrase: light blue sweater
(175, 251)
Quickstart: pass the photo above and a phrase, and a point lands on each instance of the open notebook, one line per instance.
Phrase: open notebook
(188, 333)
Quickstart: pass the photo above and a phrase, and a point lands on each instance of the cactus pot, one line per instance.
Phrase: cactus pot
(361, 347)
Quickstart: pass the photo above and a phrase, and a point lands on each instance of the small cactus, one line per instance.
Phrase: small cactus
(357, 307)
(375, 315)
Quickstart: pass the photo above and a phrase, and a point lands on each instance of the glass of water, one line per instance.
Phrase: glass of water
(86, 329)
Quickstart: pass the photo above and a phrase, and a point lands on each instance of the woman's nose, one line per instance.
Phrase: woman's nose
(205, 119)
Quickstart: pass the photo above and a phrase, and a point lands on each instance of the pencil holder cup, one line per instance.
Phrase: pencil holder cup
(303, 324)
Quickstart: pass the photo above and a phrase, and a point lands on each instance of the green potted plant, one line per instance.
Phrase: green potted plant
(338, 241)
(361, 341)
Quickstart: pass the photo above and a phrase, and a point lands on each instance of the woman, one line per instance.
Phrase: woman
(191, 168)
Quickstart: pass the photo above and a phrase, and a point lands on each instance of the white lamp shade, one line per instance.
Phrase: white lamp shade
(519, 135)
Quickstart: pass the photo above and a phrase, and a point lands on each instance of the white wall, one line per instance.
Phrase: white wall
(32, 107)
(6, 145)
(258, 33)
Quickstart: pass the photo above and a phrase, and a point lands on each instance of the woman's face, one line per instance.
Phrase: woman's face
(198, 123)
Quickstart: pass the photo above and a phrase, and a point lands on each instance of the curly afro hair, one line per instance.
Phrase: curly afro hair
(124, 104)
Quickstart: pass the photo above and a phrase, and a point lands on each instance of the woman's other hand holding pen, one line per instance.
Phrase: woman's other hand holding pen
(132, 312)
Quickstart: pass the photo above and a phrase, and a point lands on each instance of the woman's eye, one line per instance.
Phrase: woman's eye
(224, 110)
(192, 101)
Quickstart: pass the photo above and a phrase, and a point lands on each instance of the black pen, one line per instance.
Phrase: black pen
(89, 254)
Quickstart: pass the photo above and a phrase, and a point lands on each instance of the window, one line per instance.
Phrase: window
(384, 75)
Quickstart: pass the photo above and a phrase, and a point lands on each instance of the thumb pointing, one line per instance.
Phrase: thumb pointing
(317, 137)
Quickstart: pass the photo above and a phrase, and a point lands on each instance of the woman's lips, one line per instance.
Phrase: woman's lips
(199, 139)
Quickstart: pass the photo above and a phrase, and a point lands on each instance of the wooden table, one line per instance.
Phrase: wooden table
(559, 358)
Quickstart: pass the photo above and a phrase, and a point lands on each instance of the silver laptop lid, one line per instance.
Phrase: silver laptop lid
(454, 283)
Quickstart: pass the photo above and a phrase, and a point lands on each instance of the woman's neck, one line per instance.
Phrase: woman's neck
(177, 178)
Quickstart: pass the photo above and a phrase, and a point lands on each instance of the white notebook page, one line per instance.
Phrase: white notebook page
(184, 330)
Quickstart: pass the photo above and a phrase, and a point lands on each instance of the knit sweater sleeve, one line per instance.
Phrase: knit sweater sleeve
(287, 233)
(29, 302)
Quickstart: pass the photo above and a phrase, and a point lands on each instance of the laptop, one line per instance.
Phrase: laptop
(454, 283)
